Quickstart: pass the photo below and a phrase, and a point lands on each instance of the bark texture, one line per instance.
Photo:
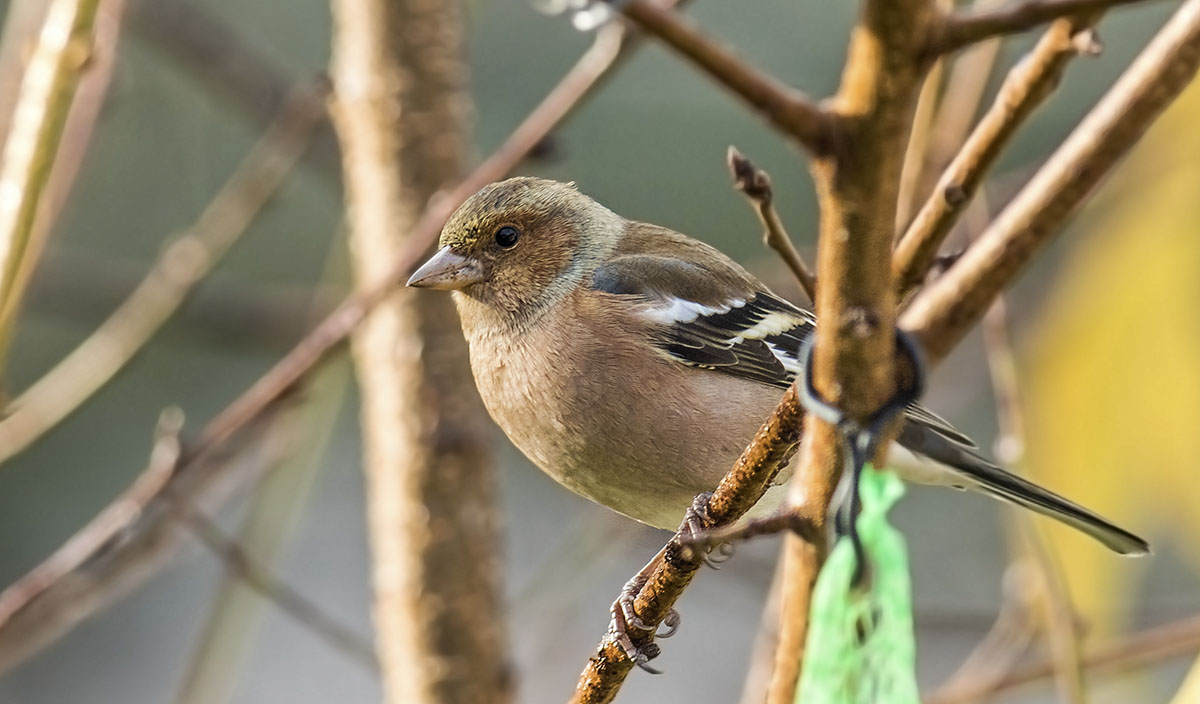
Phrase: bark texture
(400, 110)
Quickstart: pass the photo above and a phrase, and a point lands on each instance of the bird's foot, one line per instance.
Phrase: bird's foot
(625, 619)
(696, 532)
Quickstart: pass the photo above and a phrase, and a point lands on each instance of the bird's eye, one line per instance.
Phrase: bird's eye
(507, 236)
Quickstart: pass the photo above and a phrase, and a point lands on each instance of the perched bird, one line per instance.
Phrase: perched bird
(633, 364)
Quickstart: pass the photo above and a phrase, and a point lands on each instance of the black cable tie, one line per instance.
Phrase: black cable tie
(859, 441)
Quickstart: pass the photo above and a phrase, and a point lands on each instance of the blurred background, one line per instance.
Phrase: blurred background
(1106, 329)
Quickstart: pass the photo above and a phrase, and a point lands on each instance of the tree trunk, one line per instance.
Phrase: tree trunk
(400, 110)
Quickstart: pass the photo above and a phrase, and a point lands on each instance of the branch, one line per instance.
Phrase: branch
(39, 118)
(755, 184)
(1171, 640)
(179, 268)
(254, 575)
(131, 537)
(123, 544)
(751, 475)
(959, 30)
(857, 191)
(785, 108)
(941, 315)
(1027, 85)
(1058, 615)
(226, 64)
(221, 654)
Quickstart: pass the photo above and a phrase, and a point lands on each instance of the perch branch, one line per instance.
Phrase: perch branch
(941, 315)
(755, 184)
(1027, 85)
(785, 108)
(751, 475)
(959, 30)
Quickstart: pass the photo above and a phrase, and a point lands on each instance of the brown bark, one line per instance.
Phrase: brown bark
(400, 110)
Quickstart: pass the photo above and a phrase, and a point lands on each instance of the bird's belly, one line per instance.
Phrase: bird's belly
(672, 433)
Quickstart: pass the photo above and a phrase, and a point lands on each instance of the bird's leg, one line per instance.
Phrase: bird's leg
(624, 618)
(696, 524)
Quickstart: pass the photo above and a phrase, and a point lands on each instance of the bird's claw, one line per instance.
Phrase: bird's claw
(625, 618)
(695, 530)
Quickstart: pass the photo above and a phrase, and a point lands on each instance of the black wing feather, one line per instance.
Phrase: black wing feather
(719, 342)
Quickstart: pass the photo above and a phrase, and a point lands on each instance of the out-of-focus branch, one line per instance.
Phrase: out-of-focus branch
(81, 119)
(959, 30)
(251, 573)
(182, 265)
(1010, 634)
(755, 184)
(55, 66)
(125, 543)
(941, 315)
(270, 519)
(1171, 640)
(1027, 85)
(138, 532)
(785, 108)
(226, 64)
(1058, 614)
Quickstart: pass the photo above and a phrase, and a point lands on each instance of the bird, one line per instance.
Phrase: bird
(633, 363)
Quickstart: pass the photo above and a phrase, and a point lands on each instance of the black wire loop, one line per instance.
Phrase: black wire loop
(859, 441)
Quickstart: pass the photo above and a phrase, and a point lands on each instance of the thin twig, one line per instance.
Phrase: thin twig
(1172, 640)
(262, 580)
(959, 30)
(785, 108)
(755, 184)
(941, 315)
(1058, 614)
(227, 65)
(1027, 85)
(913, 171)
(39, 117)
(963, 94)
(1007, 639)
(280, 499)
(182, 265)
(127, 541)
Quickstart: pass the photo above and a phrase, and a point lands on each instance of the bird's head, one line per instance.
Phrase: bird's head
(519, 245)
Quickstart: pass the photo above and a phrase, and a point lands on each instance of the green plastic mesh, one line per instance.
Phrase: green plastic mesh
(860, 647)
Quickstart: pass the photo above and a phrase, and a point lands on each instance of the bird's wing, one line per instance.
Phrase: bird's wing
(734, 327)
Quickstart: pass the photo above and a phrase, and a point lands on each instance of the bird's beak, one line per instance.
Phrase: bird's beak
(447, 270)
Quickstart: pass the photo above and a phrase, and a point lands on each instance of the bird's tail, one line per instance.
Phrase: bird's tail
(978, 473)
